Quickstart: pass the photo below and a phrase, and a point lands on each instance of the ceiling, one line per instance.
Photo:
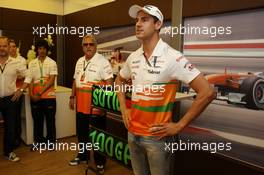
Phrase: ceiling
(71, 6)
(57, 7)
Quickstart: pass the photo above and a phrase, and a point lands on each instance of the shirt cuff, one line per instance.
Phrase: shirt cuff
(27, 80)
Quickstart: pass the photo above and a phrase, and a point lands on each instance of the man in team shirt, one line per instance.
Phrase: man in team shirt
(149, 122)
(42, 94)
(90, 69)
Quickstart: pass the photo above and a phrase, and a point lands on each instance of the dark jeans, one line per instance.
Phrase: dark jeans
(45, 108)
(18, 129)
(10, 115)
(82, 126)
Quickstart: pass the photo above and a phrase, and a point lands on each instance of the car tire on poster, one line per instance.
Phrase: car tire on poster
(253, 88)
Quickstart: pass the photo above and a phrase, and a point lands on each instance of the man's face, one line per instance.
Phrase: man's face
(12, 49)
(145, 25)
(89, 47)
(42, 51)
(4, 47)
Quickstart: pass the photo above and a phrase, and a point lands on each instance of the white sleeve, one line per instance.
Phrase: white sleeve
(53, 68)
(106, 71)
(24, 61)
(75, 71)
(24, 72)
(183, 70)
(125, 71)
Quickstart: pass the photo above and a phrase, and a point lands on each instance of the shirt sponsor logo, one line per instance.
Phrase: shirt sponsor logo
(135, 67)
(190, 67)
(135, 62)
(153, 72)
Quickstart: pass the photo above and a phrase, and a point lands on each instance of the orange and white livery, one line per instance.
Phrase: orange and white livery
(158, 77)
(41, 73)
(86, 74)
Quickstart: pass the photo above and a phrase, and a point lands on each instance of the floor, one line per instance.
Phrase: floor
(50, 162)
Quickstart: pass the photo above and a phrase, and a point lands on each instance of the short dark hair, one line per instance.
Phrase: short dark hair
(41, 43)
(155, 20)
(10, 40)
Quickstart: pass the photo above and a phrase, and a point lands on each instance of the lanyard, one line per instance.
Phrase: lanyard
(41, 69)
(41, 72)
(84, 69)
(85, 66)
(3, 68)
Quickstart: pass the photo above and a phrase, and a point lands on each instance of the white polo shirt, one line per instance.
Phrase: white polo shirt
(8, 75)
(45, 69)
(155, 81)
(22, 59)
(96, 69)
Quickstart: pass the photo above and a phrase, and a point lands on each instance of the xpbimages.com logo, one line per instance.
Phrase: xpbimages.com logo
(212, 147)
(51, 146)
(147, 89)
(65, 30)
(212, 31)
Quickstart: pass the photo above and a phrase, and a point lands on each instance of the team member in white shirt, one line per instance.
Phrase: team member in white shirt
(90, 69)
(13, 53)
(10, 95)
(42, 93)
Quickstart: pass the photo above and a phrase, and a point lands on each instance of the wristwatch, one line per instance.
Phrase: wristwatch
(22, 90)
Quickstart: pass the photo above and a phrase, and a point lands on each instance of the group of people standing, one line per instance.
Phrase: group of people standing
(149, 121)
(15, 77)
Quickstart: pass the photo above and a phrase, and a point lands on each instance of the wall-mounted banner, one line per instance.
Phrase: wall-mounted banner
(111, 146)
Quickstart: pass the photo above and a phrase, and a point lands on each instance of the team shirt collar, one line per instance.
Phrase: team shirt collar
(92, 59)
(158, 50)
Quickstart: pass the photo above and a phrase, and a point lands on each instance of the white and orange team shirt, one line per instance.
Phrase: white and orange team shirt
(86, 74)
(41, 73)
(22, 59)
(155, 82)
